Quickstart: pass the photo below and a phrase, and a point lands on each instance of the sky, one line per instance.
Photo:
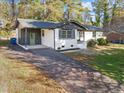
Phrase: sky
(87, 4)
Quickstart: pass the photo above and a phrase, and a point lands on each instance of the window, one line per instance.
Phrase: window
(63, 34)
(81, 34)
(67, 34)
(94, 34)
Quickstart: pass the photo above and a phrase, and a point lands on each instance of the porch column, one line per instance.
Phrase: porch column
(25, 37)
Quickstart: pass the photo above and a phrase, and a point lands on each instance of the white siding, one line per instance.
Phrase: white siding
(82, 45)
(78, 35)
(65, 42)
(99, 35)
(48, 38)
(88, 36)
(17, 35)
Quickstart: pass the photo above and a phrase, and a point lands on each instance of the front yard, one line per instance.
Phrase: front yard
(109, 60)
(17, 76)
(19, 72)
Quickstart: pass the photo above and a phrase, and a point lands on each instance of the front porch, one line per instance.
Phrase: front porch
(30, 38)
(33, 46)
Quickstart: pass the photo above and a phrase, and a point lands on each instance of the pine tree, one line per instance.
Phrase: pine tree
(97, 4)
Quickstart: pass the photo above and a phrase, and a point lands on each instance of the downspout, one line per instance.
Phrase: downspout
(26, 37)
(54, 40)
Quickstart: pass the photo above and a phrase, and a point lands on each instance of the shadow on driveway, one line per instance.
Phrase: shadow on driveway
(74, 76)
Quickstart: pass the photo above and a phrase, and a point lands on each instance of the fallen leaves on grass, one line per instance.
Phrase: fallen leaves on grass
(20, 77)
(79, 57)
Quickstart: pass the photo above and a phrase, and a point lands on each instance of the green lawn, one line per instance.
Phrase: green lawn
(109, 61)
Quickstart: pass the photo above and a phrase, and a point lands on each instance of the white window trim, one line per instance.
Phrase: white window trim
(66, 37)
(94, 34)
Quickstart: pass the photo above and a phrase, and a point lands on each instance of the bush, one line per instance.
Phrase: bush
(102, 41)
(91, 43)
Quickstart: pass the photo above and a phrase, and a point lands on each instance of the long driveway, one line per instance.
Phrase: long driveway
(74, 76)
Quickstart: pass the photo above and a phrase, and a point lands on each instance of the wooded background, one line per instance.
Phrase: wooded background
(105, 11)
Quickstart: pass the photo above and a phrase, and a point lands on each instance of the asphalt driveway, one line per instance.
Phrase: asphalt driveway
(74, 76)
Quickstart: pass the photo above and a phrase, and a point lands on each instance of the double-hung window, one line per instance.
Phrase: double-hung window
(94, 34)
(66, 34)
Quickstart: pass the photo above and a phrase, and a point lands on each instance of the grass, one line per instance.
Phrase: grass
(110, 63)
(109, 60)
(79, 57)
(20, 77)
(4, 42)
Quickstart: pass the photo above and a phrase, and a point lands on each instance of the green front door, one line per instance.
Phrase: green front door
(32, 38)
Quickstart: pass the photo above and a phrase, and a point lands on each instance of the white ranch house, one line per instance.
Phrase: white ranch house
(59, 36)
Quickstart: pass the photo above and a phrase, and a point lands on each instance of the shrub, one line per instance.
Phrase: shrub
(91, 43)
(102, 41)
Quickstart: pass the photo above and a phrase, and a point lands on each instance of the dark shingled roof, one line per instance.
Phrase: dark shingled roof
(29, 23)
(92, 28)
(86, 27)
(72, 26)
